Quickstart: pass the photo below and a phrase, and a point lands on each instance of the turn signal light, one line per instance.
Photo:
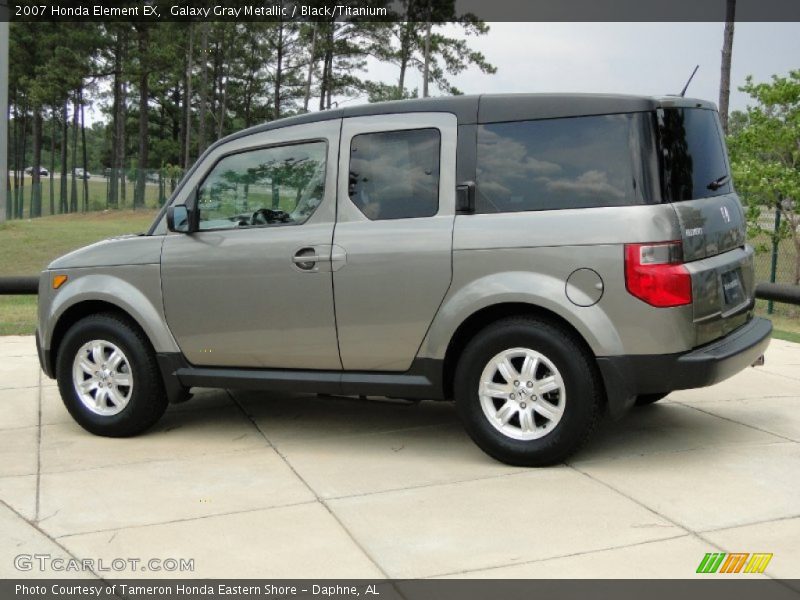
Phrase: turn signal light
(59, 280)
(655, 273)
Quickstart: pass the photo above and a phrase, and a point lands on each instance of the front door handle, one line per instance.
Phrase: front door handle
(307, 259)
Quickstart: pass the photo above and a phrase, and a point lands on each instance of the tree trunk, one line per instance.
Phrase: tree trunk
(327, 69)
(216, 88)
(213, 102)
(329, 90)
(113, 196)
(53, 133)
(201, 111)
(427, 57)
(221, 82)
(62, 192)
(323, 84)
(222, 108)
(11, 201)
(187, 104)
(329, 102)
(144, 93)
(85, 157)
(123, 146)
(405, 52)
(35, 207)
(278, 72)
(725, 70)
(311, 63)
(21, 191)
(73, 198)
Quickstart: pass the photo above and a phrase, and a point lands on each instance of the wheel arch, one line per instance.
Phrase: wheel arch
(486, 316)
(133, 291)
(78, 311)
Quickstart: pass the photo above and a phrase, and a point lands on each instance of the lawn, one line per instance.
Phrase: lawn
(28, 246)
(97, 188)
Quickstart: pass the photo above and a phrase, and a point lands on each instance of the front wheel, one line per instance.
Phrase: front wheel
(527, 391)
(108, 377)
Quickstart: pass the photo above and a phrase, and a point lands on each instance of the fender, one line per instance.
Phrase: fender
(535, 289)
(135, 289)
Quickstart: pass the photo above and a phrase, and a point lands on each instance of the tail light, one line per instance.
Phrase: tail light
(655, 273)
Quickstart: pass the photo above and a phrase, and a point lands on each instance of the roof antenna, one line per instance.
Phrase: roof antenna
(683, 91)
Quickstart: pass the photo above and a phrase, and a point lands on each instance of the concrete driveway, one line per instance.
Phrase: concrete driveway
(276, 486)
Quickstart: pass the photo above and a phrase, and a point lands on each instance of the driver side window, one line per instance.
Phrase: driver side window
(281, 185)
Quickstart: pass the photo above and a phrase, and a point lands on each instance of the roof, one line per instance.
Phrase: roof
(493, 108)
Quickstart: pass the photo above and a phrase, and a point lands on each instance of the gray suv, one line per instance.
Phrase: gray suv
(540, 259)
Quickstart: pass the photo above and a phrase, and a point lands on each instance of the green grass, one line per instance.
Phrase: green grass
(17, 315)
(97, 194)
(28, 246)
(789, 336)
(784, 327)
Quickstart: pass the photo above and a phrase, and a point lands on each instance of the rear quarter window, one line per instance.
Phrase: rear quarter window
(577, 162)
(694, 154)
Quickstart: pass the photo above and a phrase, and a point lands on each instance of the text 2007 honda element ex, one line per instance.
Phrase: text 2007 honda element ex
(539, 259)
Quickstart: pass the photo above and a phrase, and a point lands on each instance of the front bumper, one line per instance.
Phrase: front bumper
(629, 376)
(44, 357)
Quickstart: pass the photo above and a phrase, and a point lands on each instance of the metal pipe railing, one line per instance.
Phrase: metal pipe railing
(19, 286)
(779, 292)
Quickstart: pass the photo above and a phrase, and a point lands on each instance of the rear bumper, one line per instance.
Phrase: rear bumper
(628, 376)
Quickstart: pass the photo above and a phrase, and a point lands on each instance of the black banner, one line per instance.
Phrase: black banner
(716, 587)
(392, 10)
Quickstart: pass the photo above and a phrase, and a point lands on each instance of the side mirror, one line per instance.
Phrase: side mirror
(179, 219)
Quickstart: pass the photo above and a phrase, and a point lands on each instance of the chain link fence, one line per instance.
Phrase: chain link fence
(776, 260)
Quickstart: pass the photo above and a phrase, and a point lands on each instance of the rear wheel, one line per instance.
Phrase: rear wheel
(527, 391)
(647, 399)
(108, 377)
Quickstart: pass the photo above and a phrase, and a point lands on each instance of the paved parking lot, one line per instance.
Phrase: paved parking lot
(269, 486)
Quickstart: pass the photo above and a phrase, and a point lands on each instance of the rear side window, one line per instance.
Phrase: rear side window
(395, 174)
(694, 155)
(578, 162)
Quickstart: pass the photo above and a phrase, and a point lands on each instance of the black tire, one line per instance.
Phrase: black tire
(582, 385)
(148, 398)
(648, 399)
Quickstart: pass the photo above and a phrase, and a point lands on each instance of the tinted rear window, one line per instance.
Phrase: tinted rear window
(579, 162)
(694, 155)
(395, 174)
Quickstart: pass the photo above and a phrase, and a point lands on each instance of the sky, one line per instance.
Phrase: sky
(630, 58)
(626, 58)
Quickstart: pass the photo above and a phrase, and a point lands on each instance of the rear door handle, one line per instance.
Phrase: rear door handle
(325, 257)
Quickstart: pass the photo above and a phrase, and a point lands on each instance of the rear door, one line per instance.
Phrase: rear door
(711, 218)
(395, 215)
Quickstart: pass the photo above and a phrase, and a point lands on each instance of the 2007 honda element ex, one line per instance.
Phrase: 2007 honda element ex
(539, 259)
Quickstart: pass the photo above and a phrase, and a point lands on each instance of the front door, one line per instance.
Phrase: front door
(395, 215)
(252, 287)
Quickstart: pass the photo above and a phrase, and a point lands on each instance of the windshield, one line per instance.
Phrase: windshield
(694, 161)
